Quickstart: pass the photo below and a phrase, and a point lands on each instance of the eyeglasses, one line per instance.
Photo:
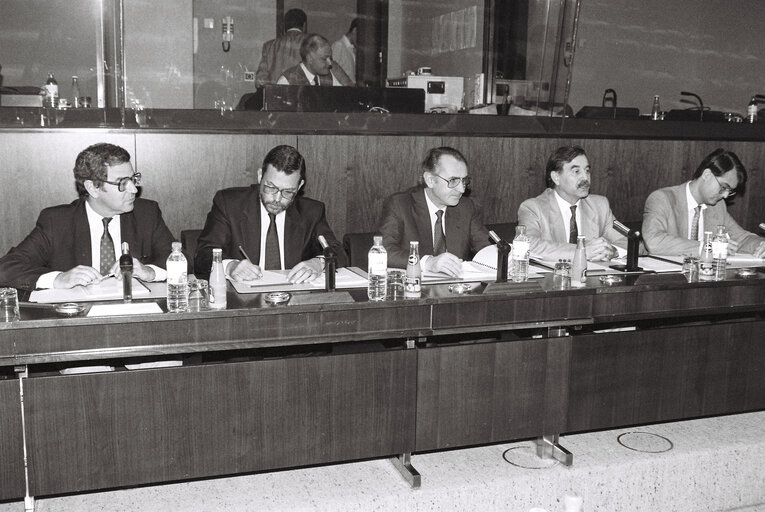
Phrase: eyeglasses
(725, 189)
(288, 194)
(453, 182)
(122, 182)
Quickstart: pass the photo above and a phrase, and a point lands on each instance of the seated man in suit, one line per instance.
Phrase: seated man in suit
(675, 218)
(447, 225)
(566, 209)
(316, 66)
(77, 243)
(277, 228)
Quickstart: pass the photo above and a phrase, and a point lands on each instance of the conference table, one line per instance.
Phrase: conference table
(333, 377)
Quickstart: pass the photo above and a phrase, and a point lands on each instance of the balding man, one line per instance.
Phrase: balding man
(316, 66)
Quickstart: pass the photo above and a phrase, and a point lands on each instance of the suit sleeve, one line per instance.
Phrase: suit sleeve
(215, 234)
(656, 233)
(263, 74)
(25, 263)
(479, 235)
(747, 241)
(609, 233)
(392, 230)
(530, 216)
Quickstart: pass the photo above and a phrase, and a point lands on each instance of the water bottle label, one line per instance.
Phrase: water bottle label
(176, 272)
(413, 259)
(378, 263)
(720, 250)
(521, 249)
(412, 285)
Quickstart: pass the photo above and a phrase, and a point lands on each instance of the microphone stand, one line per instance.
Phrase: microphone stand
(633, 248)
(330, 265)
(126, 268)
(503, 249)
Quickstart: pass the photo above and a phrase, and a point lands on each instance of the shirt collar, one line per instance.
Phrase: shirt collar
(432, 208)
(692, 203)
(95, 217)
(308, 74)
(563, 204)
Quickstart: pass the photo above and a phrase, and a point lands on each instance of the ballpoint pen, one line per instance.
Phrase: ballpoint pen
(241, 249)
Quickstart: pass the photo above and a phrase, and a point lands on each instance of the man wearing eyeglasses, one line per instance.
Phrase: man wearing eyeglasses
(675, 218)
(268, 226)
(566, 209)
(78, 243)
(447, 225)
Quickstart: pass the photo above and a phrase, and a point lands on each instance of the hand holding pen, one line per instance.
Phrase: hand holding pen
(244, 270)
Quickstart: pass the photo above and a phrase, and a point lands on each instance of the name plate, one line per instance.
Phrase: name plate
(511, 288)
(321, 298)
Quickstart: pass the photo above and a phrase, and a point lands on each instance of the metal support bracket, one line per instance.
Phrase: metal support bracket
(29, 501)
(403, 463)
(549, 448)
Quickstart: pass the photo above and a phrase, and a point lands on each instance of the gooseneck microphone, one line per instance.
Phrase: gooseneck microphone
(330, 264)
(503, 251)
(633, 247)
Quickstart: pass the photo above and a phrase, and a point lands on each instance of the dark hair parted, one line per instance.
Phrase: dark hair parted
(93, 164)
(285, 159)
(311, 43)
(434, 154)
(721, 161)
(559, 157)
(295, 18)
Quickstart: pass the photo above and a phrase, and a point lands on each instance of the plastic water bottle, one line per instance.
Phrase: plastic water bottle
(579, 265)
(75, 92)
(720, 253)
(519, 256)
(177, 284)
(413, 279)
(706, 259)
(51, 92)
(217, 281)
(656, 109)
(377, 274)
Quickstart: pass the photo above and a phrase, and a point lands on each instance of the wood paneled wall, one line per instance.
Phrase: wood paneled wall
(352, 174)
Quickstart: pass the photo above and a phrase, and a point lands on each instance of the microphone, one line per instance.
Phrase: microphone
(503, 250)
(126, 268)
(762, 226)
(624, 230)
(633, 247)
(330, 264)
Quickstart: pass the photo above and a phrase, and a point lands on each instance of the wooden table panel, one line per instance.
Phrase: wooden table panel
(11, 442)
(128, 428)
(491, 392)
(627, 378)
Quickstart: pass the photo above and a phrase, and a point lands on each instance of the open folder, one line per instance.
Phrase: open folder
(106, 289)
(276, 280)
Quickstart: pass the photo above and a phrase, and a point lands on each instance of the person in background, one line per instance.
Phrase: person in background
(78, 243)
(447, 224)
(344, 50)
(566, 209)
(316, 66)
(276, 228)
(284, 51)
(675, 218)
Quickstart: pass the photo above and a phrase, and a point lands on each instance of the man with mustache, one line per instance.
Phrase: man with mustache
(675, 218)
(78, 243)
(277, 228)
(566, 209)
(447, 225)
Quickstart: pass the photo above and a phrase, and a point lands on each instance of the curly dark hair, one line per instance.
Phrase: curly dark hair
(93, 164)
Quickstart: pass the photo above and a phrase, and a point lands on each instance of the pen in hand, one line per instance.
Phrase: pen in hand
(250, 272)
(241, 249)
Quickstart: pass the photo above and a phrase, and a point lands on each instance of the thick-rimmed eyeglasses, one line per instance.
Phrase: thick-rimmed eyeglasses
(287, 193)
(122, 183)
(725, 188)
(453, 182)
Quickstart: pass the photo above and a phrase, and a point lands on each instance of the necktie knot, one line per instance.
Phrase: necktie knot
(315, 79)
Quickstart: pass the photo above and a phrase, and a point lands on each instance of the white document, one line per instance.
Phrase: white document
(130, 308)
(106, 289)
(483, 267)
(745, 260)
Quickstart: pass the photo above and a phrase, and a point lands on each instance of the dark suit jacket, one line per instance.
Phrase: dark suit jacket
(61, 241)
(405, 218)
(665, 224)
(278, 55)
(235, 220)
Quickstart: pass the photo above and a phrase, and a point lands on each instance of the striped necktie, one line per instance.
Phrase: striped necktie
(694, 233)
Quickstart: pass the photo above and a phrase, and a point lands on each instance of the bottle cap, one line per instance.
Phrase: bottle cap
(176, 246)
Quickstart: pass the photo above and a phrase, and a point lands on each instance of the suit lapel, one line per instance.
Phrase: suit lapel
(422, 220)
(129, 234)
(555, 219)
(589, 217)
(456, 232)
(293, 236)
(680, 206)
(82, 252)
(250, 228)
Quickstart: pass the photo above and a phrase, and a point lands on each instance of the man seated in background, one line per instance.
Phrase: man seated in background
(284, 51)
(566, 209)
(675, 218)
(447, 225)
(77, 243)
(277, 228)
(316, 66)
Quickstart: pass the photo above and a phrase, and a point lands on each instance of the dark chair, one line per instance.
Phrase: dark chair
(189, 239)
(505, 230)
(357, 247)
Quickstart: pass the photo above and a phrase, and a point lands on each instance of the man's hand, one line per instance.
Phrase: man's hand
(306, 270)
(446, 262)
(140, 271)
(80, 275)
(600, 249)
(244, 271)
(759, 251)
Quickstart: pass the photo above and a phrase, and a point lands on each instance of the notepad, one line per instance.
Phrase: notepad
(106, 289)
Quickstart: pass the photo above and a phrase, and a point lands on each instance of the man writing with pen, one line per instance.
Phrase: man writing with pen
(269, 225)
(76, 244)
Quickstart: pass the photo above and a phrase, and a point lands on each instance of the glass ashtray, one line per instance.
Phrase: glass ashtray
(460, 288)
(276, 298)
(69, 309)
(611, 279)
(746, 272)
